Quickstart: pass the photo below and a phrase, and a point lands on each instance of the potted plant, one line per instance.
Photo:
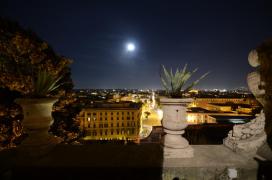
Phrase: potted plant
(174, 107)
(37, 109)
(31, 67)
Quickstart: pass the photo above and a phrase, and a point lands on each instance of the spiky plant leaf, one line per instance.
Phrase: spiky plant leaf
(45, 84)
(174, 82)
(184, 68)
(165, 85)
(166, 74)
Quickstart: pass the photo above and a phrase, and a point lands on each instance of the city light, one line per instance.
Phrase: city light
(160, 114)
(191, 119)
(153, 100)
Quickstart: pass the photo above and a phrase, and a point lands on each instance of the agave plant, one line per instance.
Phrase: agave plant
(45, 84)
(173, 82)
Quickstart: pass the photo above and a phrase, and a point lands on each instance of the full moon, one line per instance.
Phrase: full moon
(130, 47)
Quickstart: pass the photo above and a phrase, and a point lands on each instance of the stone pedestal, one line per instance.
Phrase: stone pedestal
(174, 122)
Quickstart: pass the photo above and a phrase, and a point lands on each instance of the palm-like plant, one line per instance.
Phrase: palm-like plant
(174, 82)
(45, 84)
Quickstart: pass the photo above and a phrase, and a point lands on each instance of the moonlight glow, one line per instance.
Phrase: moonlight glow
(130, 47)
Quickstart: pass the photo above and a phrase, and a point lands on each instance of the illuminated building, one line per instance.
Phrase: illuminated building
(235, 105)
(199, 101)
(211, 110)
(244, 108)
(216, 107)
(209, 117)
(194, 91)
(199, 118)
(111, 121)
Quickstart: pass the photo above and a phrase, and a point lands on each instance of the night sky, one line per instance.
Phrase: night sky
(214, 36)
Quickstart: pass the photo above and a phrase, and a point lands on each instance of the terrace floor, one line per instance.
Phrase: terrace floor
(110, 161)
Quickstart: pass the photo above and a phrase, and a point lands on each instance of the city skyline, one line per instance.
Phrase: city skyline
(214, 36)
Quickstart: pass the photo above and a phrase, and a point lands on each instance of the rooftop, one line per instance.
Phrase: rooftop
(232, 119)
(113, 105)
(199, 109)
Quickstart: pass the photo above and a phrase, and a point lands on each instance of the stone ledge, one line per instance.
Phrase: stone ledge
(128, 162)
(213, 156)
(96, 161)
(95, 155)
(211, 162)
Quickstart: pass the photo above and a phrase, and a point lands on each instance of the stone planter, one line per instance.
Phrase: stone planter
(36, 123)
(174, 122)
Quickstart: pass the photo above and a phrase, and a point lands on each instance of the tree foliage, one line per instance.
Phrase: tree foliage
(23, 55)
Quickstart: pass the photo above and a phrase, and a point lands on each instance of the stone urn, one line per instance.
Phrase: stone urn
(36, 123)
(174, 122)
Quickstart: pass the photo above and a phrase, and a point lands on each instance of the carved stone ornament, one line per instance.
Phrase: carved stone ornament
(250, 136)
